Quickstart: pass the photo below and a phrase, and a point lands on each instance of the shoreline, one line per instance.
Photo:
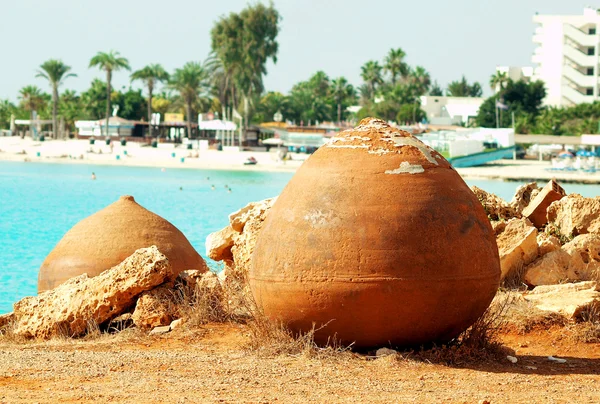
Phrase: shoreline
(168, 156)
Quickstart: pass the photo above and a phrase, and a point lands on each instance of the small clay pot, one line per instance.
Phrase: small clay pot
(376, 241)
(107, 237)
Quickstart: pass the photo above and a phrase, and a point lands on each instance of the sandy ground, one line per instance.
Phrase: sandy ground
(168, 156)
(133, 154)
(210, 364)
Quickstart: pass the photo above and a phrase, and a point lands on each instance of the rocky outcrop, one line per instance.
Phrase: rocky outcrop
(523, 196)
(570, 300)
(155, 308)
(547, 243)
(495, 207)
(219, 243)
(72, 307)
(517, 245)
(234, 244)
(6, 319)
(536, 211)
(574, 215)
(577, 260)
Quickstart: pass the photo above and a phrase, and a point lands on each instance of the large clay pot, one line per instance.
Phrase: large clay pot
(376, 240)
(106, 238)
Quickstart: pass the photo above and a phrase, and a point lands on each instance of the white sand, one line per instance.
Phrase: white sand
(71, 151)
(134, 154)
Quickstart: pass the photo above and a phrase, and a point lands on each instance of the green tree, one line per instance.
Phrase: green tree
(32, 99)
(56, 72)
(522, 99)
(93, 100)
(190, 82)
(109, 62)
(244, 43)
(436, 90)
(410, 113)
(70, 108)
(395, 65)
(269, 104)
(7, 110)
(343, 93)
(498, 81)
(132, 104)
(150, 75)
(421, 79)
(462, 88)
(371, 73)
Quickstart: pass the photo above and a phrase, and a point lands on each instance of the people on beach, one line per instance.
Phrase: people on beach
(93, 176)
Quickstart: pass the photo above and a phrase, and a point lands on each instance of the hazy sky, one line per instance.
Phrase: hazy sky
(448, 38)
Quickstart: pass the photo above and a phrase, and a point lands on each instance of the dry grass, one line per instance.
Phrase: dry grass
(588, 329)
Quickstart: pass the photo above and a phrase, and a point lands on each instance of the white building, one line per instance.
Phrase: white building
(567, 56)
(515, 73)
(442, 110)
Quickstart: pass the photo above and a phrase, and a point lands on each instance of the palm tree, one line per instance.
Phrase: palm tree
(371, 75)
(341, 90)
(32, 99)
(421, 79)
(498, 81)
(56, 72)
(395, 65)
(150, 75)
(190, 80)
(109, 62)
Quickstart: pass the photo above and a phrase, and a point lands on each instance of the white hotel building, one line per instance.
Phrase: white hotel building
(567, 57)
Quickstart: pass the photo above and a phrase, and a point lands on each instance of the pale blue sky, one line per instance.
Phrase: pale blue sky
(448, 38)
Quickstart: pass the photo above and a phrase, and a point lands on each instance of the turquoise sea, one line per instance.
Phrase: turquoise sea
(40, 202)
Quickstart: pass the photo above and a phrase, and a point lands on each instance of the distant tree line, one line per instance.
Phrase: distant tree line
(229, 82)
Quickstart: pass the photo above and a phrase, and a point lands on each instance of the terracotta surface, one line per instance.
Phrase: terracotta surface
(106, 238)
(379, 238)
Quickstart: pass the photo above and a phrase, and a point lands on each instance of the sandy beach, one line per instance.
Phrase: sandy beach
(168, 155)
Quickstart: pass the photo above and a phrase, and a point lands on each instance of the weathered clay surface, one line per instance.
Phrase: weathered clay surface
(523, 196)
(536, 211)
(547, 244)
(72, 306)
(517, 245)
(495, 207)
(575, 215)
(155, 308)
(576, 261)
(570, 299)
(219, 243)
(374, 239)
(106, 238)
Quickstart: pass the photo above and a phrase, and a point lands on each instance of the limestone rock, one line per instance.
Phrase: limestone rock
(6, 319)
(155, 308)
(385, 352)
(495, 207)
(570, 299)
(536, 211)
(160, 330)
(577, 260)
(189, 279)
(547, 244)
(177, 323)
(219, 243)
(575, 215)
(71, 307)
(523, 196)
(517, 246)
(239, 218)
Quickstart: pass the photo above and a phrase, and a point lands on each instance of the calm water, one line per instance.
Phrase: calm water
(41, 202)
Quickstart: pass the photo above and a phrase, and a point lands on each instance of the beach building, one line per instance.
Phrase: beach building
(515, 73)
(567, 57)
(441, 110)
